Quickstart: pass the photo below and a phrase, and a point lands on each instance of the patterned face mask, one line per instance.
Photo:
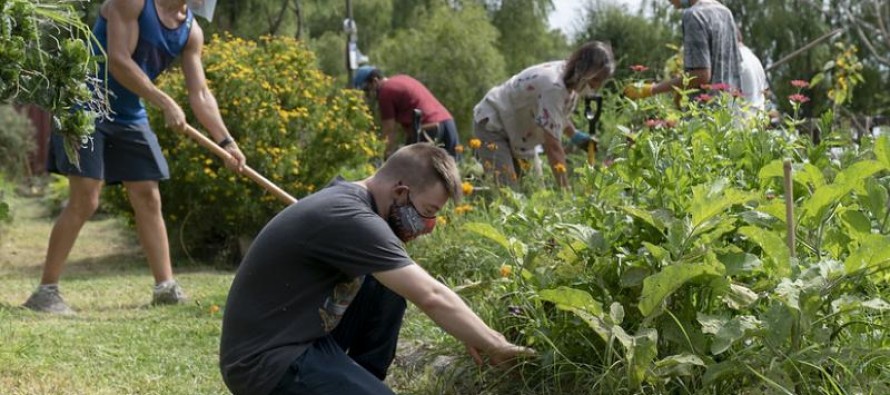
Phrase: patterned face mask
(407, 222)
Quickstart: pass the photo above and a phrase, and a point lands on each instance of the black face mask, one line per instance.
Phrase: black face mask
(407, 222)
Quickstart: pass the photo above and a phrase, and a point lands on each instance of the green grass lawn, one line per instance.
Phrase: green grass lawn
(117, 344)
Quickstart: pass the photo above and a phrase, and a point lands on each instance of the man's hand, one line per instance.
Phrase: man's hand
(638, 91)
(505, 353)
(236, 159)
(174, 118)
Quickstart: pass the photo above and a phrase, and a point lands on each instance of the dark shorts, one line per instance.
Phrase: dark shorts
(113, 153)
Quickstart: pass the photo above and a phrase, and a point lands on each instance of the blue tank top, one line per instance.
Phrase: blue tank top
(156, 49)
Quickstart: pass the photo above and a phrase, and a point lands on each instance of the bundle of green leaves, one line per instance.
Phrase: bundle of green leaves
(45, 60)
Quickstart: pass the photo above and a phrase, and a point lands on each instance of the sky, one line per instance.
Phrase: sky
(568, 12)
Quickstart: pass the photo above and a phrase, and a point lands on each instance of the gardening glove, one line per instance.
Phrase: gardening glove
(638, 91)
(580, 139)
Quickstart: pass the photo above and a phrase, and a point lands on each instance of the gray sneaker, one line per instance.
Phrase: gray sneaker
(168, 294)
(48, 301)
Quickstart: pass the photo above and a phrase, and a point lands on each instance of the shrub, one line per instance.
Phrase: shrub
(16, 141)
(293, 125)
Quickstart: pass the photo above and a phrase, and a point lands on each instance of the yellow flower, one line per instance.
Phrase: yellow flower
(491, 146)
(559, 168)
(441, 220)
(459, 149)
(214, 309)
(463, 209)
(467, 188)
(506, 270)
(475, 143)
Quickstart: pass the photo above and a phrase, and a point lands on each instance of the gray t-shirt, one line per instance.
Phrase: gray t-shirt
(298, 278)
(709, 42)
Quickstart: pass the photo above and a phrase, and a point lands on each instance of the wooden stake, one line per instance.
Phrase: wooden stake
(248, 172)
(789, 207)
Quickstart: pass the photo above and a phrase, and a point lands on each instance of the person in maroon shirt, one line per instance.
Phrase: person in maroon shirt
(398, 96)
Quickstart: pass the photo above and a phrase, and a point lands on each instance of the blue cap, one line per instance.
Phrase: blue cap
(361, 76)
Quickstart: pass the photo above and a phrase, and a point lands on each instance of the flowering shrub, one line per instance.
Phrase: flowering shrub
(293, 125)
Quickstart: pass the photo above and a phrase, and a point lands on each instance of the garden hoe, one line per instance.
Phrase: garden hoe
(248, 172)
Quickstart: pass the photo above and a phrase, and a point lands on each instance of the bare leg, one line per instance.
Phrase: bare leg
(82, 203)
(145, 197)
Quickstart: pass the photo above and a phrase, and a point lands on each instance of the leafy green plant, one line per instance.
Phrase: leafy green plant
(669, 270)
(45, 59)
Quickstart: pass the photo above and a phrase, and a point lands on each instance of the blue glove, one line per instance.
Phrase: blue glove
(581, 139)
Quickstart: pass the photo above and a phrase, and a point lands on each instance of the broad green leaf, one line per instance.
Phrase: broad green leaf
(711, 324)
(789, 292)
(708, 202)
(739, 297)
(847, 181)
(876, 200)
(572, 299)
(858, 226)
(804, 174)
(678, 365)
(779, 320)
(597, 324)
(882, 150)
(489, 232)
(773, 245)
(873, 251)
(775, 208)
(739, 262)
(633, 277)
(657, 252)
(850, 303)
(657, 287)
(645, 350)
(645, 216)
(736, 329)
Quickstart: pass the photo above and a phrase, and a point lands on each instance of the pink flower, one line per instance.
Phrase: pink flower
(704, 97)
(798, 98)
(800, 84)
(720, 87)
(653, 123)
(638, 68)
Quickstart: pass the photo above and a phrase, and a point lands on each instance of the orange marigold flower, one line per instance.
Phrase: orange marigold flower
(475, 143)
(506, 270)
(559, 168)
(214, 309)
(467, 188)
(459, 149)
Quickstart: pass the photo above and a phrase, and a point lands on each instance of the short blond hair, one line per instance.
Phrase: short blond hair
(422, 165)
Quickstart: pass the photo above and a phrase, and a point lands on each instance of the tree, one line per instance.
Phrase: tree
(635, 38)
(453, 52)
(525, 38)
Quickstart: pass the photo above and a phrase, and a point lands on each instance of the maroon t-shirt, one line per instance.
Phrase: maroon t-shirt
(399, 95)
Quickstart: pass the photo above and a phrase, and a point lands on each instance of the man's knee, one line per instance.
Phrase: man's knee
(144, 197)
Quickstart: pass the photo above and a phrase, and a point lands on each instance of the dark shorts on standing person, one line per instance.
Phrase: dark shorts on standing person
(114, 153)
